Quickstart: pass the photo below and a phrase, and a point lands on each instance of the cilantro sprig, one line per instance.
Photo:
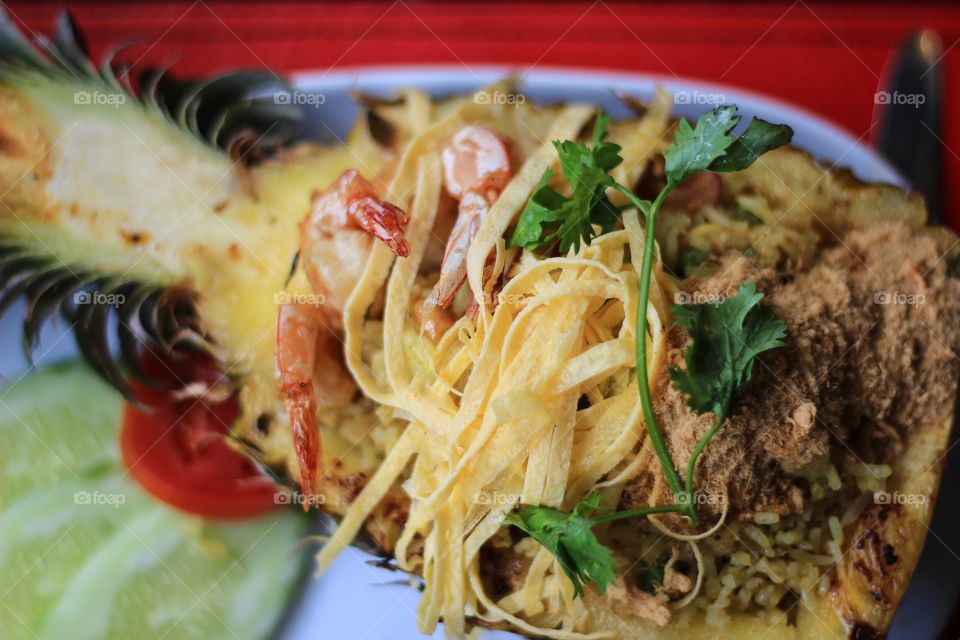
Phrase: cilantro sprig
(726, 336)
(551, 217)
(570, 538)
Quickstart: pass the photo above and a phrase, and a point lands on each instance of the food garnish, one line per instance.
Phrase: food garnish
(107, 559)
(727, 336)
(551, 217)
(569, 536)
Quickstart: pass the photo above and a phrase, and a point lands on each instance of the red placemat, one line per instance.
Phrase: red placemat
(824, 57)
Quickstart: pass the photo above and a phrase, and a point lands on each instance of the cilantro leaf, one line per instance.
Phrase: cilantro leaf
(577, 226)
(709, 146)
(651, 578)
(551, 217)
(727, 338)
(543, 207)
(605, 154)
(694, 149)
(745, 215)
(570, 538)
(759, 137)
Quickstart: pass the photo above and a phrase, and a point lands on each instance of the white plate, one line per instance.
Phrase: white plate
(355, 600)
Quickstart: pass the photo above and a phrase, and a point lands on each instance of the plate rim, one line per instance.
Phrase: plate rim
(398, 75)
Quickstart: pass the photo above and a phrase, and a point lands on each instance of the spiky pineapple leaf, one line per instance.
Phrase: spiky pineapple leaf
(147, 317)
(223, 111)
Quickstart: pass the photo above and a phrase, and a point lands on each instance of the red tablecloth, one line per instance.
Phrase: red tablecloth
(825, 57)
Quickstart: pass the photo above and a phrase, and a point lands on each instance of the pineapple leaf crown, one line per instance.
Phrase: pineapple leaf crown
(115, 321)
(243, 113)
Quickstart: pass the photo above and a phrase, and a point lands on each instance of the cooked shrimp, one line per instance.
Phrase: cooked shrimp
(335, 237)
(476, 168)
(312, 377)
(433, 320)
(334, 244)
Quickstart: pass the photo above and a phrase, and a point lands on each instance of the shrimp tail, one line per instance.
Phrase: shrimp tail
(453, 270)
(352, 201)
(383, 221)
(297, 335)
(446, 288)
(302, 411)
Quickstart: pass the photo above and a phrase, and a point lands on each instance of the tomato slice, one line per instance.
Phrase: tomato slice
(178, 452)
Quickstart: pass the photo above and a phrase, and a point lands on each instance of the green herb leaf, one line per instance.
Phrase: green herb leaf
(709, 146)
(694, 149)
(651, 578)
(745, 215)
(570, 538)
(542, 208)
(691, 259)
(551, 217)
(759, 137)
(727, 338)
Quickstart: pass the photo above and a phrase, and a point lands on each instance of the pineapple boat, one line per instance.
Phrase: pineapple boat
(431, 327)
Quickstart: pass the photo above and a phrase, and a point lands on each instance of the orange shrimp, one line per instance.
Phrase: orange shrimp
(334, 244)
(476, 168)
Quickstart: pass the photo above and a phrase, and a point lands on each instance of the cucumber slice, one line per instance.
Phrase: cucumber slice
(56, 424)
(85, 554)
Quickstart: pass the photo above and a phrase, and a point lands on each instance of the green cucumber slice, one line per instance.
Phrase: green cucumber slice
(85, 554)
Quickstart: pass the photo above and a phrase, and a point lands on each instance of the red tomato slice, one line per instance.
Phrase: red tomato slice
(177, 451)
